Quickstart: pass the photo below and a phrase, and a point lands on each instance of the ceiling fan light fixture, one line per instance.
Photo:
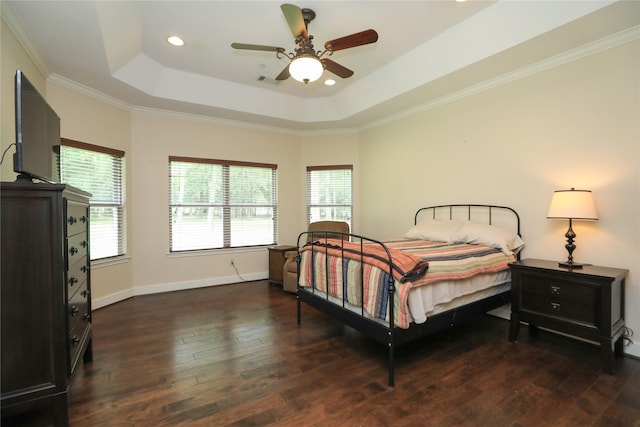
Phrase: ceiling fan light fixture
(306, 68)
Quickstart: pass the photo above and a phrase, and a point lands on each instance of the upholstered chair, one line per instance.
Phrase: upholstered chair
(290, 268)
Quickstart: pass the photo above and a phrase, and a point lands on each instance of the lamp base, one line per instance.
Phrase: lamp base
(571, 265)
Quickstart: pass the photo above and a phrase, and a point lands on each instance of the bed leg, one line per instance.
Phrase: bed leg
(392, 365)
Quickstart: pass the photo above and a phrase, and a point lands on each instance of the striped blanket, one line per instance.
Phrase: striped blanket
(405, 266)
(337, 265)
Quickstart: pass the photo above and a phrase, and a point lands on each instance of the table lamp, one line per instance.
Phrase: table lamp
(572, 204)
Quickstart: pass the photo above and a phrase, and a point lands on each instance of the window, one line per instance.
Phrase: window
(221, 204)
(98, 170)
(330, 193)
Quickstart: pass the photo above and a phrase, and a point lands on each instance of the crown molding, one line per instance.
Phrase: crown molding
(595, 47)
(89, 92)
(102, 97)
(588, 49)
(213, 120)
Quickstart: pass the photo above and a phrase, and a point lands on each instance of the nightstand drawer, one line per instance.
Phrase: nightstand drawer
(564, 309)
(561, 290)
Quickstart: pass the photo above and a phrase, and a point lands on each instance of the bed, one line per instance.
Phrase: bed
(451, 265)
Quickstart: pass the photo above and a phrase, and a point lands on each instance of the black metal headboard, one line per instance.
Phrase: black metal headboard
(489, 214)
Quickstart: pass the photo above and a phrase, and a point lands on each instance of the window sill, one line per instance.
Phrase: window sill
(210, 252)
(107, 262)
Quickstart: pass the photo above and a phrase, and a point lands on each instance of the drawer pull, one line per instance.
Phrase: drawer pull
(555, 290)
(74, 310)
(75, 340)
(86, 293)
(87, 318)
(83, 268)
(555, 306)
(72, 281)
(73, 250)
(72, 220)
(83, 219)
(83, 243)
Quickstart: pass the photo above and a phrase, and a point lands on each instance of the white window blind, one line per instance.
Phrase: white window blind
(330, 193)
(218, 204)
(99, 171)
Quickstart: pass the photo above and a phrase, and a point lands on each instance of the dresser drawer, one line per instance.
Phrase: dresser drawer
(79, 319)
(76, 218)
(77, 337)
(78, 306)
(77, 275)
(77, 248)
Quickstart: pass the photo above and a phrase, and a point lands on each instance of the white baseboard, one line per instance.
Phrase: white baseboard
(632, 350)
(170, 287)
(504, 312)
(97, 303)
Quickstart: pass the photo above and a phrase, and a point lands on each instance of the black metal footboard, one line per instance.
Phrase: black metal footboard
(386, 332)
(332, 306)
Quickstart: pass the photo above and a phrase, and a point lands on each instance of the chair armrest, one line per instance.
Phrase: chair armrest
(291, 255)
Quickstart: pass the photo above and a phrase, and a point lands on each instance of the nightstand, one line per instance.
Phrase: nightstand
(587, 303)
(276, 262)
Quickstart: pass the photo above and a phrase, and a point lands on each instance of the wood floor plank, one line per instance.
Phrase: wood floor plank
(234, 356)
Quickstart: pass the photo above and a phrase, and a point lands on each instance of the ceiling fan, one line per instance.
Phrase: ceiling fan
(307, 64)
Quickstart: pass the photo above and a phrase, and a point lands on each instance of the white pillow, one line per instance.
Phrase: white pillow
(490, 235)
(432, 229)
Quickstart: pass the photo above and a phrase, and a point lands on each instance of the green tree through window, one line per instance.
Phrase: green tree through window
(330, 193)
(221, 204)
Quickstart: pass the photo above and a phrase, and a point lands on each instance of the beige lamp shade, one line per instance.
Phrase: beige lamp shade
(572, 204)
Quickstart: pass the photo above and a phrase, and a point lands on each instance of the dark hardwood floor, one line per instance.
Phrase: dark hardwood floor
(234, 356)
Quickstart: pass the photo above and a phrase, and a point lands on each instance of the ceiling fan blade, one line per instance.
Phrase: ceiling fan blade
(353, 40)
(336, 68)
(245, 46)
(293, 15)
(284, 74)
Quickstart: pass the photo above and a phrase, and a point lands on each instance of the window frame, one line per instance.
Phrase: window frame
(225, 205)
(120, 206)
(310, 206)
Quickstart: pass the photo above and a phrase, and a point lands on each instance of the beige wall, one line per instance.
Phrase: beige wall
(576, 125)
(328, 149)
(155, 138)
(13, 57)
(85, 119)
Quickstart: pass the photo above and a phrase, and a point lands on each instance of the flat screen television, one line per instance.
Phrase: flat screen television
(37, 134)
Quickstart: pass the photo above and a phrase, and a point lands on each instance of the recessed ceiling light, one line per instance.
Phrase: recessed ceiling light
(329, 82)
(175, 40)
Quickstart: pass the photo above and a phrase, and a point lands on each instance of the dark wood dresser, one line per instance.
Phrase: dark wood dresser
(587, 303)
(45, 297)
